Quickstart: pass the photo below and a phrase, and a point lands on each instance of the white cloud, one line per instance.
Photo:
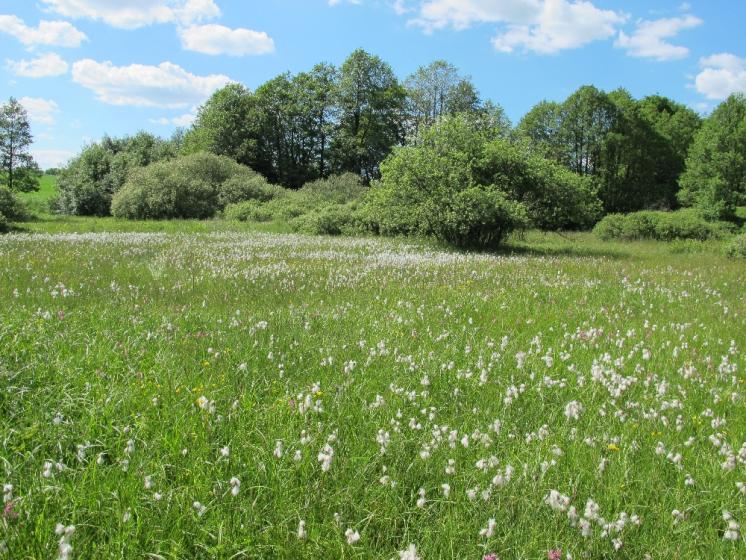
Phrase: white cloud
(218, 39)
(560, 25)
(461, 14)
(40, 111)
(48, 65)
(648, 39)
(51, 158)
(542, 26)
(133, 14)
(182, 120)
(52, 33)
(166, 85)
(722, 74)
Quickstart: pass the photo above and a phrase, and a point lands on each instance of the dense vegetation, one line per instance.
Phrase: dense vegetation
(429, 158)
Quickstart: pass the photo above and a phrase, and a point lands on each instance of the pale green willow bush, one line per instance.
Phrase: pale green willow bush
(661, 226)
(196, 186)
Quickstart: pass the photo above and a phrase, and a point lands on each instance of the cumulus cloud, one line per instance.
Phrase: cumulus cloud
(166, 85)
(133, 14)
(40, 111)
(51, 33)
(218, 39)
(541, 26)
(560, 25)
(722, 74)
(649, 38)
(48, 65)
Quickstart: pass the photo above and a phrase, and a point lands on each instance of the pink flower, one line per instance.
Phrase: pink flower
(491, 556)
(9, 512)
(555, 554)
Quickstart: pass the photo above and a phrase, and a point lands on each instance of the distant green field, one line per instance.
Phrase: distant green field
(38, 202)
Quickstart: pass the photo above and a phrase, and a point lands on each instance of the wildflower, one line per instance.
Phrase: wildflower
(7, 493)
(235, 486)
(325, 457)
(409, 554)
(421, 500)
(446, 489)
(225, 452)
(148, 482)
(129, 449)
(157, 496)
(127, 515)
(488, 531)
(278, 449)
(732, 533)
(555, 554)
(491, 556)
(47, 471)
(9, 512)
(64, 548)
(199, 508)
(613, 447)
(302, 530)
(352, 536)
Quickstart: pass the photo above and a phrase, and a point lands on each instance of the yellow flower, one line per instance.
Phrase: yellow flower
(613, 447)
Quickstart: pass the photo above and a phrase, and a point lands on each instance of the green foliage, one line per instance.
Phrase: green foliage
(371, 106)
(330, 219)
(12, 209)
(715, 176)
(196, 186)
(18, 170)
(91, 179)
(661, 226)
(737, 247)
(633, 150)
(4, 223)
(465, 189)
(337, 189)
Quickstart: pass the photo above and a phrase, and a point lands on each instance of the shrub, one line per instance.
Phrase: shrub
(190, 187)
(89, 182)
(4, 223)
(242, 188)
(333, 219)
(338, 189)
(611, 227)
(661, 226)
(248, 211)
(12, 209)
(737, 247)
(461, 189)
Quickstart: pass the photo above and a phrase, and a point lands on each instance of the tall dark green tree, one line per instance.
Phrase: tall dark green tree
(18, 170)
(715, 176)
(225, 125)
(371, 119)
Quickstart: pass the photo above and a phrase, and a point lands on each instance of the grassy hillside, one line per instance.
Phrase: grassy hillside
(38, 202)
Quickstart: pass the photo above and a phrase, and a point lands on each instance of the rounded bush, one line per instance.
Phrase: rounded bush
(189, 187)
(661, 226)
(248, 211)
(736, 249)
(12, 209)
(334, 219)
(241, 188)
(611, 227)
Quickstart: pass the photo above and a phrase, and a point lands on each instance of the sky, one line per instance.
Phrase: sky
(86, 68)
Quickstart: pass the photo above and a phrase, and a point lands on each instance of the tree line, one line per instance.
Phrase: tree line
(622, 154)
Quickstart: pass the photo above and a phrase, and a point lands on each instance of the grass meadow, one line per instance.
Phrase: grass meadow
(208, 390)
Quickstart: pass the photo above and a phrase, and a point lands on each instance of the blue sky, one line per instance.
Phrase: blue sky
(84, 68)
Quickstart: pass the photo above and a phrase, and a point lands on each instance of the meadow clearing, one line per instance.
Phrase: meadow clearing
(215, 392)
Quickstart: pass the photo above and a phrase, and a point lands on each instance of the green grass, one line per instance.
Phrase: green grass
(38, 201)
(110, 339)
